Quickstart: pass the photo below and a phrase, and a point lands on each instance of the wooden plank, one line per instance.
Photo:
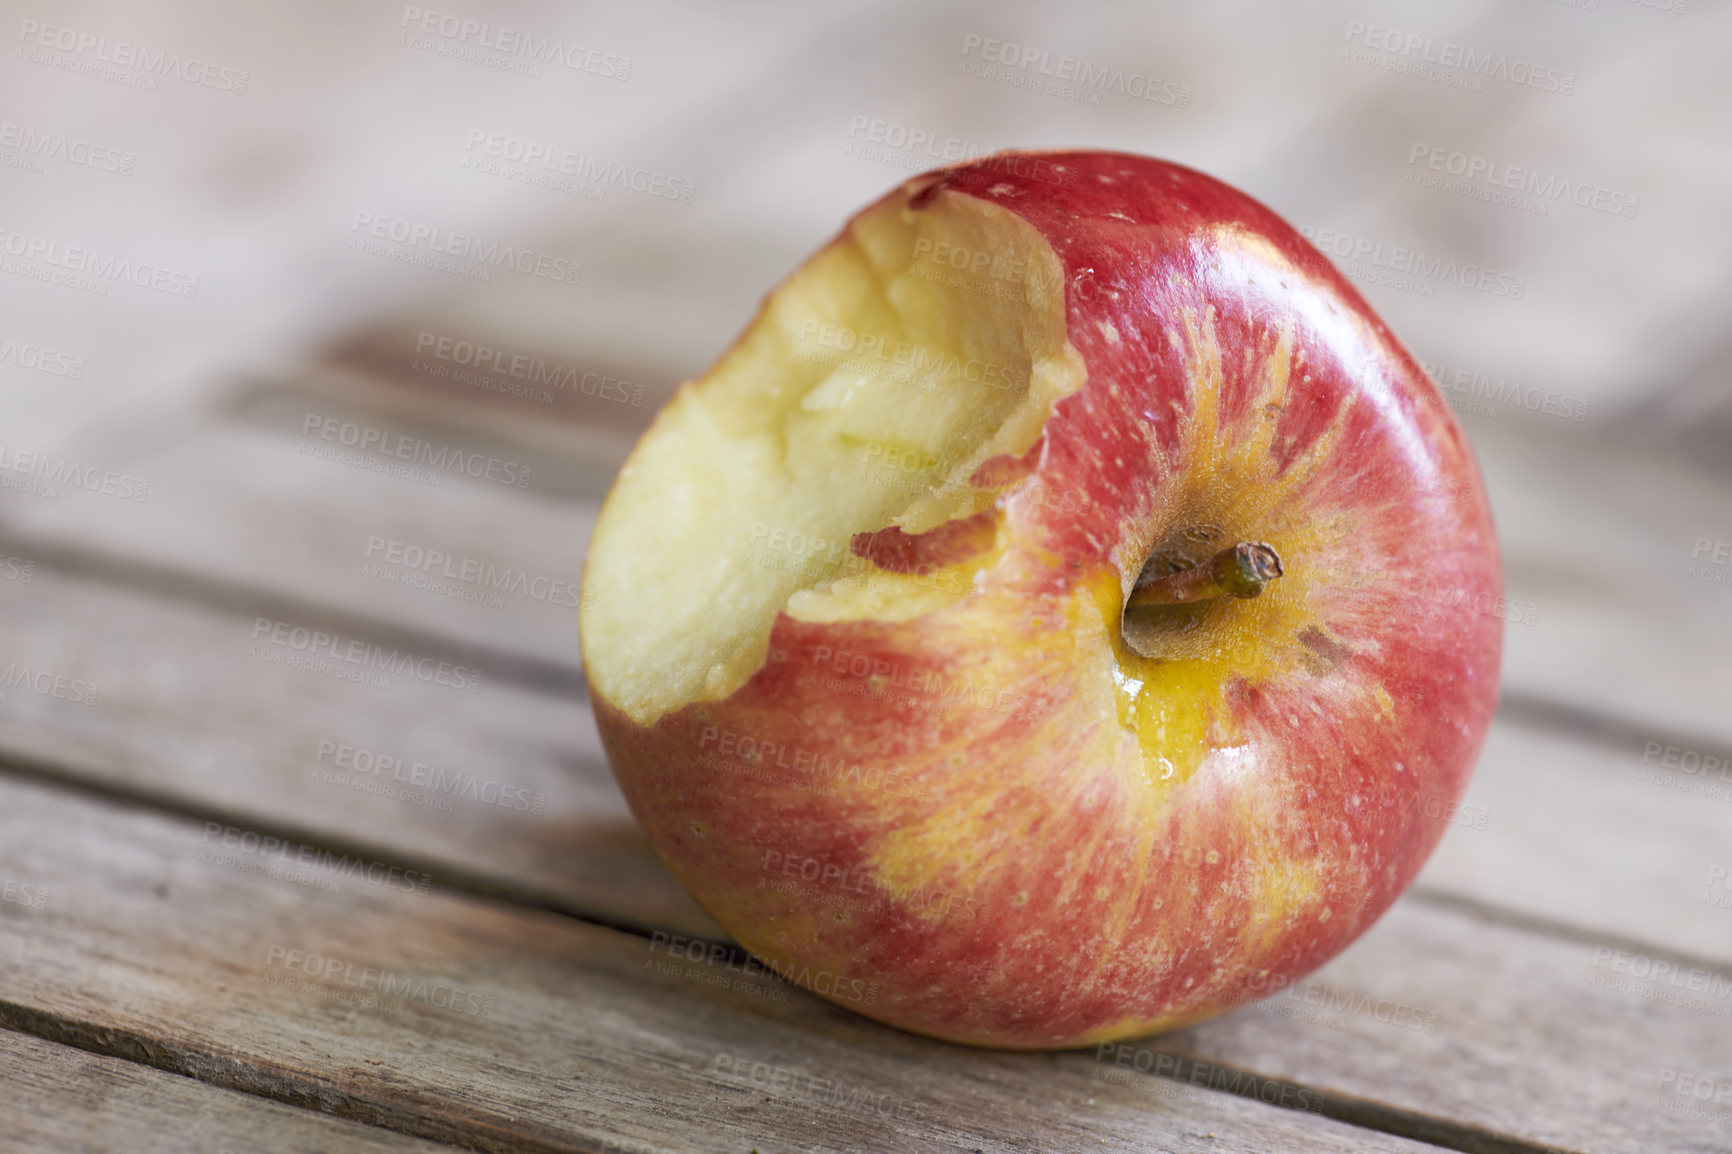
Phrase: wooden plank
(561, 402)
(1560, 1043)
(1531, 838)
(485, 568)
(58, 1100)
(1600, 840)
(1639, 825)
(1528, 839)
(505, 785)
(458, 1020)
(1598, 538)
(1531, 779)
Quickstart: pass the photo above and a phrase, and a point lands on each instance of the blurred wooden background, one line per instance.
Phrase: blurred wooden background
(188, 817)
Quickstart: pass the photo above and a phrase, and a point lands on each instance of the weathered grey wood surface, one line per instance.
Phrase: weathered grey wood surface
(1509, 1003)
(242, 511)
(1590, 841)
(506, 784)
(1447, 1015)
(1523, 842)
(1496, 956)
(243, 751)
(1629, 630)
(62, 1100)
(1604, 615)
(503, 1029)
(1494, 884)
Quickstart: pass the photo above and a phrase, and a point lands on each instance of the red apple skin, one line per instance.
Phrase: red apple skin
(1064, 898)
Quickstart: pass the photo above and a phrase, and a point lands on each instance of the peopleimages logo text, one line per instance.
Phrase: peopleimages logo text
(515, 42)
(1089, 77)
(470, 570)
(42, 360)
(355, 763)
(1414, 263)
(1449, 54)
(124, 54)
(579, 165)
(316, 643)
(1529, 181)
(43, 144)
(343, 976)
(523, 367)
(105, 266)
(401, 446)
(442, 242)
(73, 475)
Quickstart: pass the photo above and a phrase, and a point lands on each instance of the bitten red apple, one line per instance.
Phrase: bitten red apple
(1062, 615)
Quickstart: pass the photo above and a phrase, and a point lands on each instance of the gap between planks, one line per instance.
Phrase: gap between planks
(515, 893)
(281, 1086)
(230, 596)
(56, 1098)
(1235, 1079)
(468, 881)
(1534, 711)
(581, 1044)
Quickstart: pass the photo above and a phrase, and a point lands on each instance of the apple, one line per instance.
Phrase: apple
(1065, 613)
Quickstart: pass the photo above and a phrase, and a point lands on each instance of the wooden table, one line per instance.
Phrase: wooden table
(260, 897)
(307, 841)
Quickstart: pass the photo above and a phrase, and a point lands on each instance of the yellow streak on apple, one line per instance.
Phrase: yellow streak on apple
(1172, 681)
(1171, 694)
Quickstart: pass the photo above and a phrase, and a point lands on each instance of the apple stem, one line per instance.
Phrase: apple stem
(1237, 571)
